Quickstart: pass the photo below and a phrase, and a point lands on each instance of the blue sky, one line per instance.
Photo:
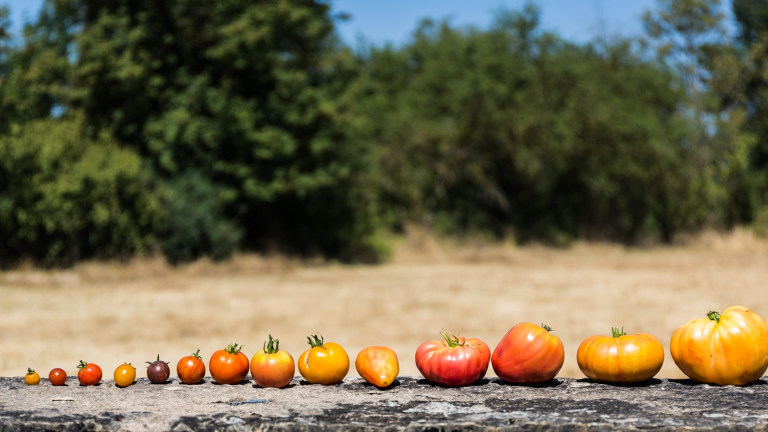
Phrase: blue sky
(381, 21)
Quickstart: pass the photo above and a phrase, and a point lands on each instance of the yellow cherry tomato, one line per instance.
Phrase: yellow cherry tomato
(323, 363)
(32, 378)
(125, 375)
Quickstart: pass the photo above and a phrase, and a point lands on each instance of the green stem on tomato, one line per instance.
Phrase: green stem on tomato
(618, 333)
(546, 327)
(30, 371)
(272, 346)
(714, 316)
(82, 365)
(233, 349)
(451, 340)
(197, 354)
(316, 341)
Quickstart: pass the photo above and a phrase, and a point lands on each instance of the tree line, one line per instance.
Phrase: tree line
(197, 128)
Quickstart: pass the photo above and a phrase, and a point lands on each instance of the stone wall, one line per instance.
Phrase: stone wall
(410, 404)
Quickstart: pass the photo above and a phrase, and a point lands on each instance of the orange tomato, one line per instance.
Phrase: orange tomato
(454, 361)
(528, 354)
(191, 368)
(622, 358)
(89, 374)
(724, 349)
(125, 375)
(229, 366)
(323, 363)
(32, 377)
(378, 365)
(271, 366)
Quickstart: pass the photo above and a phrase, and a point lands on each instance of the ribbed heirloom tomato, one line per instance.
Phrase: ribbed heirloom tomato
(621, 358)
(125, 375)
(32, 377)
(454, 361)
(191, 368)
(378, 365)
(271, 366)
(724, 349)
(89, 374)
(528, 354)
(324, 363)
(229, 366)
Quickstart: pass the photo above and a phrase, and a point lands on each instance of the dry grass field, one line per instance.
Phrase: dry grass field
(111, 313)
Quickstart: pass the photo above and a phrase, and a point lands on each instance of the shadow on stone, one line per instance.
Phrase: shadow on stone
(243, 382)
(305, 382)
(550, 383)
(395, 384)
(203, 381)
(478, 383)
(134, 382)
(291, 385)
(646, 383)
(692, 383)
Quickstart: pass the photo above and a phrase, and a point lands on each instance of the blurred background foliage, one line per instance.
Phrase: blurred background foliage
(196, 128)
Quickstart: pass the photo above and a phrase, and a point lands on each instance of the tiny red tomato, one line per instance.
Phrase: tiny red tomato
(191, 369)
(229, 366)
(89, 374)
(32, 377)
(125, 375)
(57, 377)
(271, 366)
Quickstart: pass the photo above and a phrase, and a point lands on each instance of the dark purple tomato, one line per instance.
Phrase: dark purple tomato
(158, 371)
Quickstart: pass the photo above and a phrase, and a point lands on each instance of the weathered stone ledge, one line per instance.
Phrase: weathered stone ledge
(411, 404)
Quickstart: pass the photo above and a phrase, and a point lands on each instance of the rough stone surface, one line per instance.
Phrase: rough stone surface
(411, 404)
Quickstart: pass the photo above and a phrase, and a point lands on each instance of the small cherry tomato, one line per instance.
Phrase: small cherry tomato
(528, 354)
(229, 366)
(191, 368)
(378, 365)
(622, 358)
(271, 366)
(323, 363)
(57, 377)
(724, 349)
(158, 371)
(90, 373)
(454, 361)
(125, 375)
(32, 377)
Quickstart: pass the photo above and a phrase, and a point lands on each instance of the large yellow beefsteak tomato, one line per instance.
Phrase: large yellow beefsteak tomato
(621, 358)
(724, 349)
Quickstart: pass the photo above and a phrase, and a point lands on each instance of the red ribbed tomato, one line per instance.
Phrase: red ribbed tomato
(454, 361)
(528, 354)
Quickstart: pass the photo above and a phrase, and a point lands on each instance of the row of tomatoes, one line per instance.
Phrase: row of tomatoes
(724, 349)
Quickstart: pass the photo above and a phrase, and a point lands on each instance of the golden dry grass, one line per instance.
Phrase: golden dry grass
(110, 313)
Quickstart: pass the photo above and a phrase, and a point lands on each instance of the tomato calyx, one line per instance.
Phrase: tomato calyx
(451, 340)
(196, 354)
(273, 346)
(316, 341)
(82, 365)
(30, 371)
(714, 316)
(546, 327)
(618, 333)
(150, 363)
(233, 349)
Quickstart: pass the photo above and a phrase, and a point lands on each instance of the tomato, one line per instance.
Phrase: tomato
(229, 366)
(727, 349)
(528, 354)
(191, 368)
(271, 366)
(57, 377)
(454, 361)
(622, 358)
(158, 371)
(125, 375)
(32, 377)
(90, 373)
(378, 365)
(323, 363)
